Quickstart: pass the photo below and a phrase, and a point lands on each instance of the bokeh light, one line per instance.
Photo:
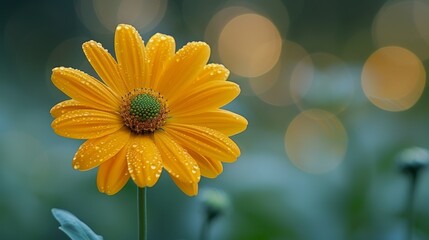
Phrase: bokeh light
(274, 86)
(403, 23)
(218, 21)
(250, 45)
(322, 80)
(143, 14)
(421, 18)
(393, 78)
(316, 141)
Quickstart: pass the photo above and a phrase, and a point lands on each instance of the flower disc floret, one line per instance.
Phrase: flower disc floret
(145, 106)
(144, 110)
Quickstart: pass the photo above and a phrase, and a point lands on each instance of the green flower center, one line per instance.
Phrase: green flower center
(145, 106)
(144, 110)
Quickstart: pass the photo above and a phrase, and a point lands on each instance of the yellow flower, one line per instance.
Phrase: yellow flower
(155, 109)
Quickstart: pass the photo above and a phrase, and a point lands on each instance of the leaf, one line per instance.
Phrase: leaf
(73, 227)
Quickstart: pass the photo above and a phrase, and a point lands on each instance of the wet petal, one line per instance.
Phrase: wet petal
(205, 141)
(85, 89)
(183, 69)
(212, 72)
(105, 66)
(67, 106)
(95, 151)
(86, 124)
(130, 53)
(191, 189)
(144, 161)
(207, 97)
(209, 168)
(113, 174)
(177, 160)
(220, 120)
(159, 51)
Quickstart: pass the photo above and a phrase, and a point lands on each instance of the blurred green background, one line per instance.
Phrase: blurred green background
(333, 176)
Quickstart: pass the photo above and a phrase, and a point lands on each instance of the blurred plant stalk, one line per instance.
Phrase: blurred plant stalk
(411, 163)
(215, 203)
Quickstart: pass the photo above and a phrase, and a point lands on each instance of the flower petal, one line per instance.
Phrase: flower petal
(212, 72)
(209, 168)
(94, 152)
(177, 160)
(113, 174)
(86, 124)
(67, 106)
(159, 51)
(144, 161)
(191, 189)
(85, 89)
(220, 120)
(205, 141)
(209, 96)
(183, 69)
(130, 53)
(105, 66)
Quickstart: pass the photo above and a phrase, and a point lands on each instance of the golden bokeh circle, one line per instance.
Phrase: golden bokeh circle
(404, 24)
(316, 141)
(393, 78)
(274, 87)
(249, 45)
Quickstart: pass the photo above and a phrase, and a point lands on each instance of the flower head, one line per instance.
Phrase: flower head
(155, 109)
(412, 160)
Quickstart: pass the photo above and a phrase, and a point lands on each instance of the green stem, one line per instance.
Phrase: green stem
(205, 228)
(142, 218)
(411, 194)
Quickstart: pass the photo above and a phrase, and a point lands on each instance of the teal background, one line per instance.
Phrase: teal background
(363, 198)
